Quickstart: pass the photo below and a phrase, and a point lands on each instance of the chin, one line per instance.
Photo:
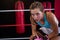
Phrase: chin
(37, 21)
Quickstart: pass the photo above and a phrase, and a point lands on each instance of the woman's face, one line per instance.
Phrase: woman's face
(36, 14)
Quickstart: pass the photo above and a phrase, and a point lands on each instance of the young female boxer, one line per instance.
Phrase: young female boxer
(46, 20)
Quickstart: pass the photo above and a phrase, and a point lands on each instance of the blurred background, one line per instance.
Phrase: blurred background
(11, 20)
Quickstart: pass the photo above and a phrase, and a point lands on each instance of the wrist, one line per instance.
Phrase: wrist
(47, 37)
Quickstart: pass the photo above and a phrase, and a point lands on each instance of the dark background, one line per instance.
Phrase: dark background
(10, 17)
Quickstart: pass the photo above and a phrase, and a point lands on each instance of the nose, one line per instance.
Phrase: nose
(35, 16)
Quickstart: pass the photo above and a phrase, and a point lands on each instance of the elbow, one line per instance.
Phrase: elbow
(56, 33)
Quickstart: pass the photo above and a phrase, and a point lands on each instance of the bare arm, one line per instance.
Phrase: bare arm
(33, 26)
(54, 25)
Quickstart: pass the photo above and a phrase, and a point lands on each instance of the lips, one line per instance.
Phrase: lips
(36, 19)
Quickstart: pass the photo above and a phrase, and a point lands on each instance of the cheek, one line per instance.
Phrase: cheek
(40, 16)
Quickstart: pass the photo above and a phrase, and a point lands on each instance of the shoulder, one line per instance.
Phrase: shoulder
(51, 17)
(50, 14)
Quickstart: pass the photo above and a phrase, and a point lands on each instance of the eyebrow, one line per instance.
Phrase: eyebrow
(33, 14)
(39, 12)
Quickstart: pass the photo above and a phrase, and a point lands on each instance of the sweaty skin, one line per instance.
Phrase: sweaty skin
(51, 20)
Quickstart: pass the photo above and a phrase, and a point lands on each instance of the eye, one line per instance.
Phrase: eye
(32, 14)
(37, 13)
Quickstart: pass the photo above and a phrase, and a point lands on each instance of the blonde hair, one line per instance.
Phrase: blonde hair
(37, 5)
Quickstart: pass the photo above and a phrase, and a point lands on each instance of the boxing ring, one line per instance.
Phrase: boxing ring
(20, 10)
(23, 38)
(22, 24)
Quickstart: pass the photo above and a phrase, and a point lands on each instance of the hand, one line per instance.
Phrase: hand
(46, 37)
(39, 34)
(33, 36)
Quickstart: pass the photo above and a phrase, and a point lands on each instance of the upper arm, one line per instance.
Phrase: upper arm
(51, 20)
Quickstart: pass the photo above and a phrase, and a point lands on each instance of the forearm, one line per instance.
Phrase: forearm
(33, 31)
(53, 34)
(39, 34)
(33, 27)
